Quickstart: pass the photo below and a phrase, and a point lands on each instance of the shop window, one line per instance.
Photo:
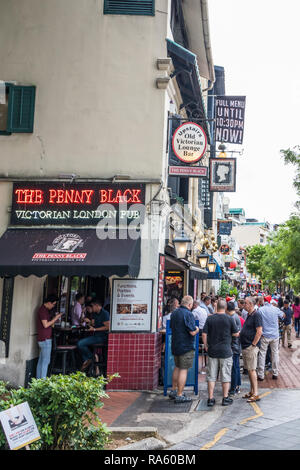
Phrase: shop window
(66, 288)
(129, 7)
(17, 114)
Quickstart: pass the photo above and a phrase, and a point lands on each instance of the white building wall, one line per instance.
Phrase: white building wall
(98, 112)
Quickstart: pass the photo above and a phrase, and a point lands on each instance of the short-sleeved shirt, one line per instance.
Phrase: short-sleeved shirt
(270, 317)
(219, 328)
(248, 331)
(76, 314)
(288, 315)
(235, 342)
(43, 333)
(181, 323)
(201, 315)
(296, 310)
(99, 319)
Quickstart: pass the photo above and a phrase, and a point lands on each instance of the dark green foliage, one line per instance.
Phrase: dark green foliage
(63, 407)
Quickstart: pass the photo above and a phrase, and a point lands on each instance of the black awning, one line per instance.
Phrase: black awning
(197, 273)
(68, 252)
(189, 82)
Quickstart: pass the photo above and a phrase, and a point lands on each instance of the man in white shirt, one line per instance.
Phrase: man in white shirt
(200, 314)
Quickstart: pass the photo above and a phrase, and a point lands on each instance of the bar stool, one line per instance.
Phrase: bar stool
(100, 351)
(66, 351)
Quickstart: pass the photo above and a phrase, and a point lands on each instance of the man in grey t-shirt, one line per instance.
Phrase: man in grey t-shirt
(217, 337)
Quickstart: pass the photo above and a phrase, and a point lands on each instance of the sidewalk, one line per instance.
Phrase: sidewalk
(135, 409)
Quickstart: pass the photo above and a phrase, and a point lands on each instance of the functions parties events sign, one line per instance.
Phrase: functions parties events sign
(222, 174)
(189, 142)
(131, 305)
(56, 204)
(229, 119)
(19, 426)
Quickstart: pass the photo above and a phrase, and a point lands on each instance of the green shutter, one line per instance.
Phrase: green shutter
(129, 7)
(21, 103)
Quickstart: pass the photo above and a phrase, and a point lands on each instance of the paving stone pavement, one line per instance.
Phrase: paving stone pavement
(276, 425)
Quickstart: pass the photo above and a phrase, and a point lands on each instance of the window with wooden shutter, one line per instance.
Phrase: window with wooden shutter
(17, 115)
(129, 7)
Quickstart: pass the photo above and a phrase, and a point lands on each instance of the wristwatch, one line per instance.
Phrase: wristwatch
(254, 345)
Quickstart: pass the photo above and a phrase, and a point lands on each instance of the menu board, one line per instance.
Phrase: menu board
(131, 305)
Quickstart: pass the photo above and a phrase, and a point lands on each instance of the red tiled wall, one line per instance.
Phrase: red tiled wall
(137, 359)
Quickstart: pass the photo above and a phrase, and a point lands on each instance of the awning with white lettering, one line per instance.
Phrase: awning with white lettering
(79, 252)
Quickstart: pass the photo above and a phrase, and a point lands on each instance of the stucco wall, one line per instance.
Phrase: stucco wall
(98, 111)
(23, 344)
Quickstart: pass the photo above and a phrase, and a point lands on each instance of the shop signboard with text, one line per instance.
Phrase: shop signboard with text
(57, 204)
(189, 142)
(19, 426)
(131, 305)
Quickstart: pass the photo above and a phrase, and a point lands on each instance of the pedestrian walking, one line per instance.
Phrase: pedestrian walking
(270, 339)
(250, 337)
(296, 311)
(287, 324)
(184, 330)
(44, 334)
(236, 351)
(217, 337)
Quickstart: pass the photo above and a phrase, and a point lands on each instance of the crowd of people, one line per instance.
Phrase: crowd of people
(249, 326)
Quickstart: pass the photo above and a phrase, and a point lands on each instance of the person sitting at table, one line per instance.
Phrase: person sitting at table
(100, 327)
(77, 313)
(87, 314)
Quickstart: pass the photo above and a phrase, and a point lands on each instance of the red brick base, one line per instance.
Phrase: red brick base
(137, 359)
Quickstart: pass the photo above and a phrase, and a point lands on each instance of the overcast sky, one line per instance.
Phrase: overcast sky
(257, 42)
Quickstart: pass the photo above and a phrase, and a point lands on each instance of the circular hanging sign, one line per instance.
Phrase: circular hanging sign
(189, 142)
(224, 249)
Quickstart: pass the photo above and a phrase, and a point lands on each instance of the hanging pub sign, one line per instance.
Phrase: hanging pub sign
(41, 204)
(224, 227)
(222, 174)
(189, 142)
(229, 119)
(224, 249)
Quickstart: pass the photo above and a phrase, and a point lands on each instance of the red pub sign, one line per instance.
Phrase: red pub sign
(75, 204)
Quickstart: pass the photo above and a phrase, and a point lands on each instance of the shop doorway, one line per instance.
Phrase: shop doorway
(66, 288)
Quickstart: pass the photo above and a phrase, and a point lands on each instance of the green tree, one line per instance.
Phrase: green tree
(254, 259)
(281, 261)
(292, 156)
(224, 289)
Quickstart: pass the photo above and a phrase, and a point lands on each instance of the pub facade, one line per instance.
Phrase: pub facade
(87, 201)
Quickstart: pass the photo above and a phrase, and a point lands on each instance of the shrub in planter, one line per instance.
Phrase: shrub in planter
(63, 407)
(3, 389)
(224, 289)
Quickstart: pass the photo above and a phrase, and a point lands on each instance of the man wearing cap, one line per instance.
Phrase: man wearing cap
(270, 337)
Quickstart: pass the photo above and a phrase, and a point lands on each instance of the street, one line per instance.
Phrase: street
(270, 424)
